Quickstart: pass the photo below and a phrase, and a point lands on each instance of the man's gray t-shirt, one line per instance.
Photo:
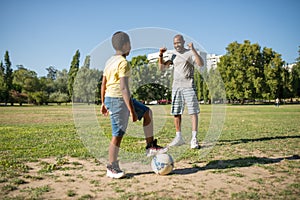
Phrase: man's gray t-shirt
(183, 66)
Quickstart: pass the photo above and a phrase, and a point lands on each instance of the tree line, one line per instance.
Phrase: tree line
(24, 86)
(246, 72)
(250, 72)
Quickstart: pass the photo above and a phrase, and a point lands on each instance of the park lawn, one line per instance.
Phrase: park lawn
(252, 135)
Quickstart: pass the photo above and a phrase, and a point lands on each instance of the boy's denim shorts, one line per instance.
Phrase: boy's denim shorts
(139, 108)
(119, 113)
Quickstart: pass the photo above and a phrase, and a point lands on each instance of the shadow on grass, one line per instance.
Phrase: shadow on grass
(257, 139)
(240, 162)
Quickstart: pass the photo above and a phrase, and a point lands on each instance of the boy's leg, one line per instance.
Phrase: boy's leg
(148, 126)
(146, 113)
(114, 147)
(119, 115)
(112, 169)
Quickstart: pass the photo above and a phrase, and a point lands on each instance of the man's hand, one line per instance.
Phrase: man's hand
(191, 46)
(162, 50)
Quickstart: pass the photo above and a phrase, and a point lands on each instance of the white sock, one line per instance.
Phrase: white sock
(178, 134)
(194, 134)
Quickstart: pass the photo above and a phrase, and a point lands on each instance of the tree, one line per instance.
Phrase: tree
(22, 85)
(27, 84)
(19, 97)
(61, 81)
(296, 77)
(147, 82)
(47, 85)
(272, 65)
(8, 78)
(214, 87)
(73, 72)
(58, 97)
(56, 88)
(25, 81)
(51, 73)
(86, 83)
(249, 73)
(201, 81)
(233, 71)
(2, 82)
(198, 80)
(38, 97)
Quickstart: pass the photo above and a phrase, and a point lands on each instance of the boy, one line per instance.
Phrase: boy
(116, 100)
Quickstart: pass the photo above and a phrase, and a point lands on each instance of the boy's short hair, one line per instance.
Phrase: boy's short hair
(119, 39)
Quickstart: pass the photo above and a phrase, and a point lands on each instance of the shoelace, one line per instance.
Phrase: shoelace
(116, 170)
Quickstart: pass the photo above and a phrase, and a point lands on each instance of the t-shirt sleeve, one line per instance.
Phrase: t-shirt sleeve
(192, 59)
(124, 69)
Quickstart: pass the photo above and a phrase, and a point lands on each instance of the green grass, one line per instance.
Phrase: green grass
(251, 135)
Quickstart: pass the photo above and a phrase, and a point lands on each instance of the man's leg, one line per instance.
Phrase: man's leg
(194, 141)
(194, 122)
(193, 109)
(177, 123)
(178, 140)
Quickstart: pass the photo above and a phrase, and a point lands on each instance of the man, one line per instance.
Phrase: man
(183, 88)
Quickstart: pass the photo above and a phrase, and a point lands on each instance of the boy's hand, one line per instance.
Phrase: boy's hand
(104, 110)
(134, 116)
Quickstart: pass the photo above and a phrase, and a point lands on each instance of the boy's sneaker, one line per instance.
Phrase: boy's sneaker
(195, 144)
(153, 149)
(177, 141)
(113, 170)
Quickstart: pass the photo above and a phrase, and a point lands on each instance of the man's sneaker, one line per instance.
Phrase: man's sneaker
(177, 141)
(113, 170)
(194, 144)
(153, 149)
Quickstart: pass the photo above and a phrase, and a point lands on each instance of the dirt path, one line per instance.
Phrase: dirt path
(73, 178)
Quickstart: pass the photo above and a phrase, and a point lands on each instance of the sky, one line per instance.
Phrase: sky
(43, 33)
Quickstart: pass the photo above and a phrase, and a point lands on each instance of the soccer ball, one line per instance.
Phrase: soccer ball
(162, 164)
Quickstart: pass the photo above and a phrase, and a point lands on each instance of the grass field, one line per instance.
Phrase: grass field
(262, 136)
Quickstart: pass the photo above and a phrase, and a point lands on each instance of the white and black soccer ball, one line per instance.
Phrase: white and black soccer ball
(162, 164)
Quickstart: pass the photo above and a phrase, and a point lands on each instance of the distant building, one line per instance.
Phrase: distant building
(290, 66)
(212, 60)
(153, 57)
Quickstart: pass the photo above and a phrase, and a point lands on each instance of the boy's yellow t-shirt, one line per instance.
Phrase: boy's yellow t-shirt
(115, 68)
